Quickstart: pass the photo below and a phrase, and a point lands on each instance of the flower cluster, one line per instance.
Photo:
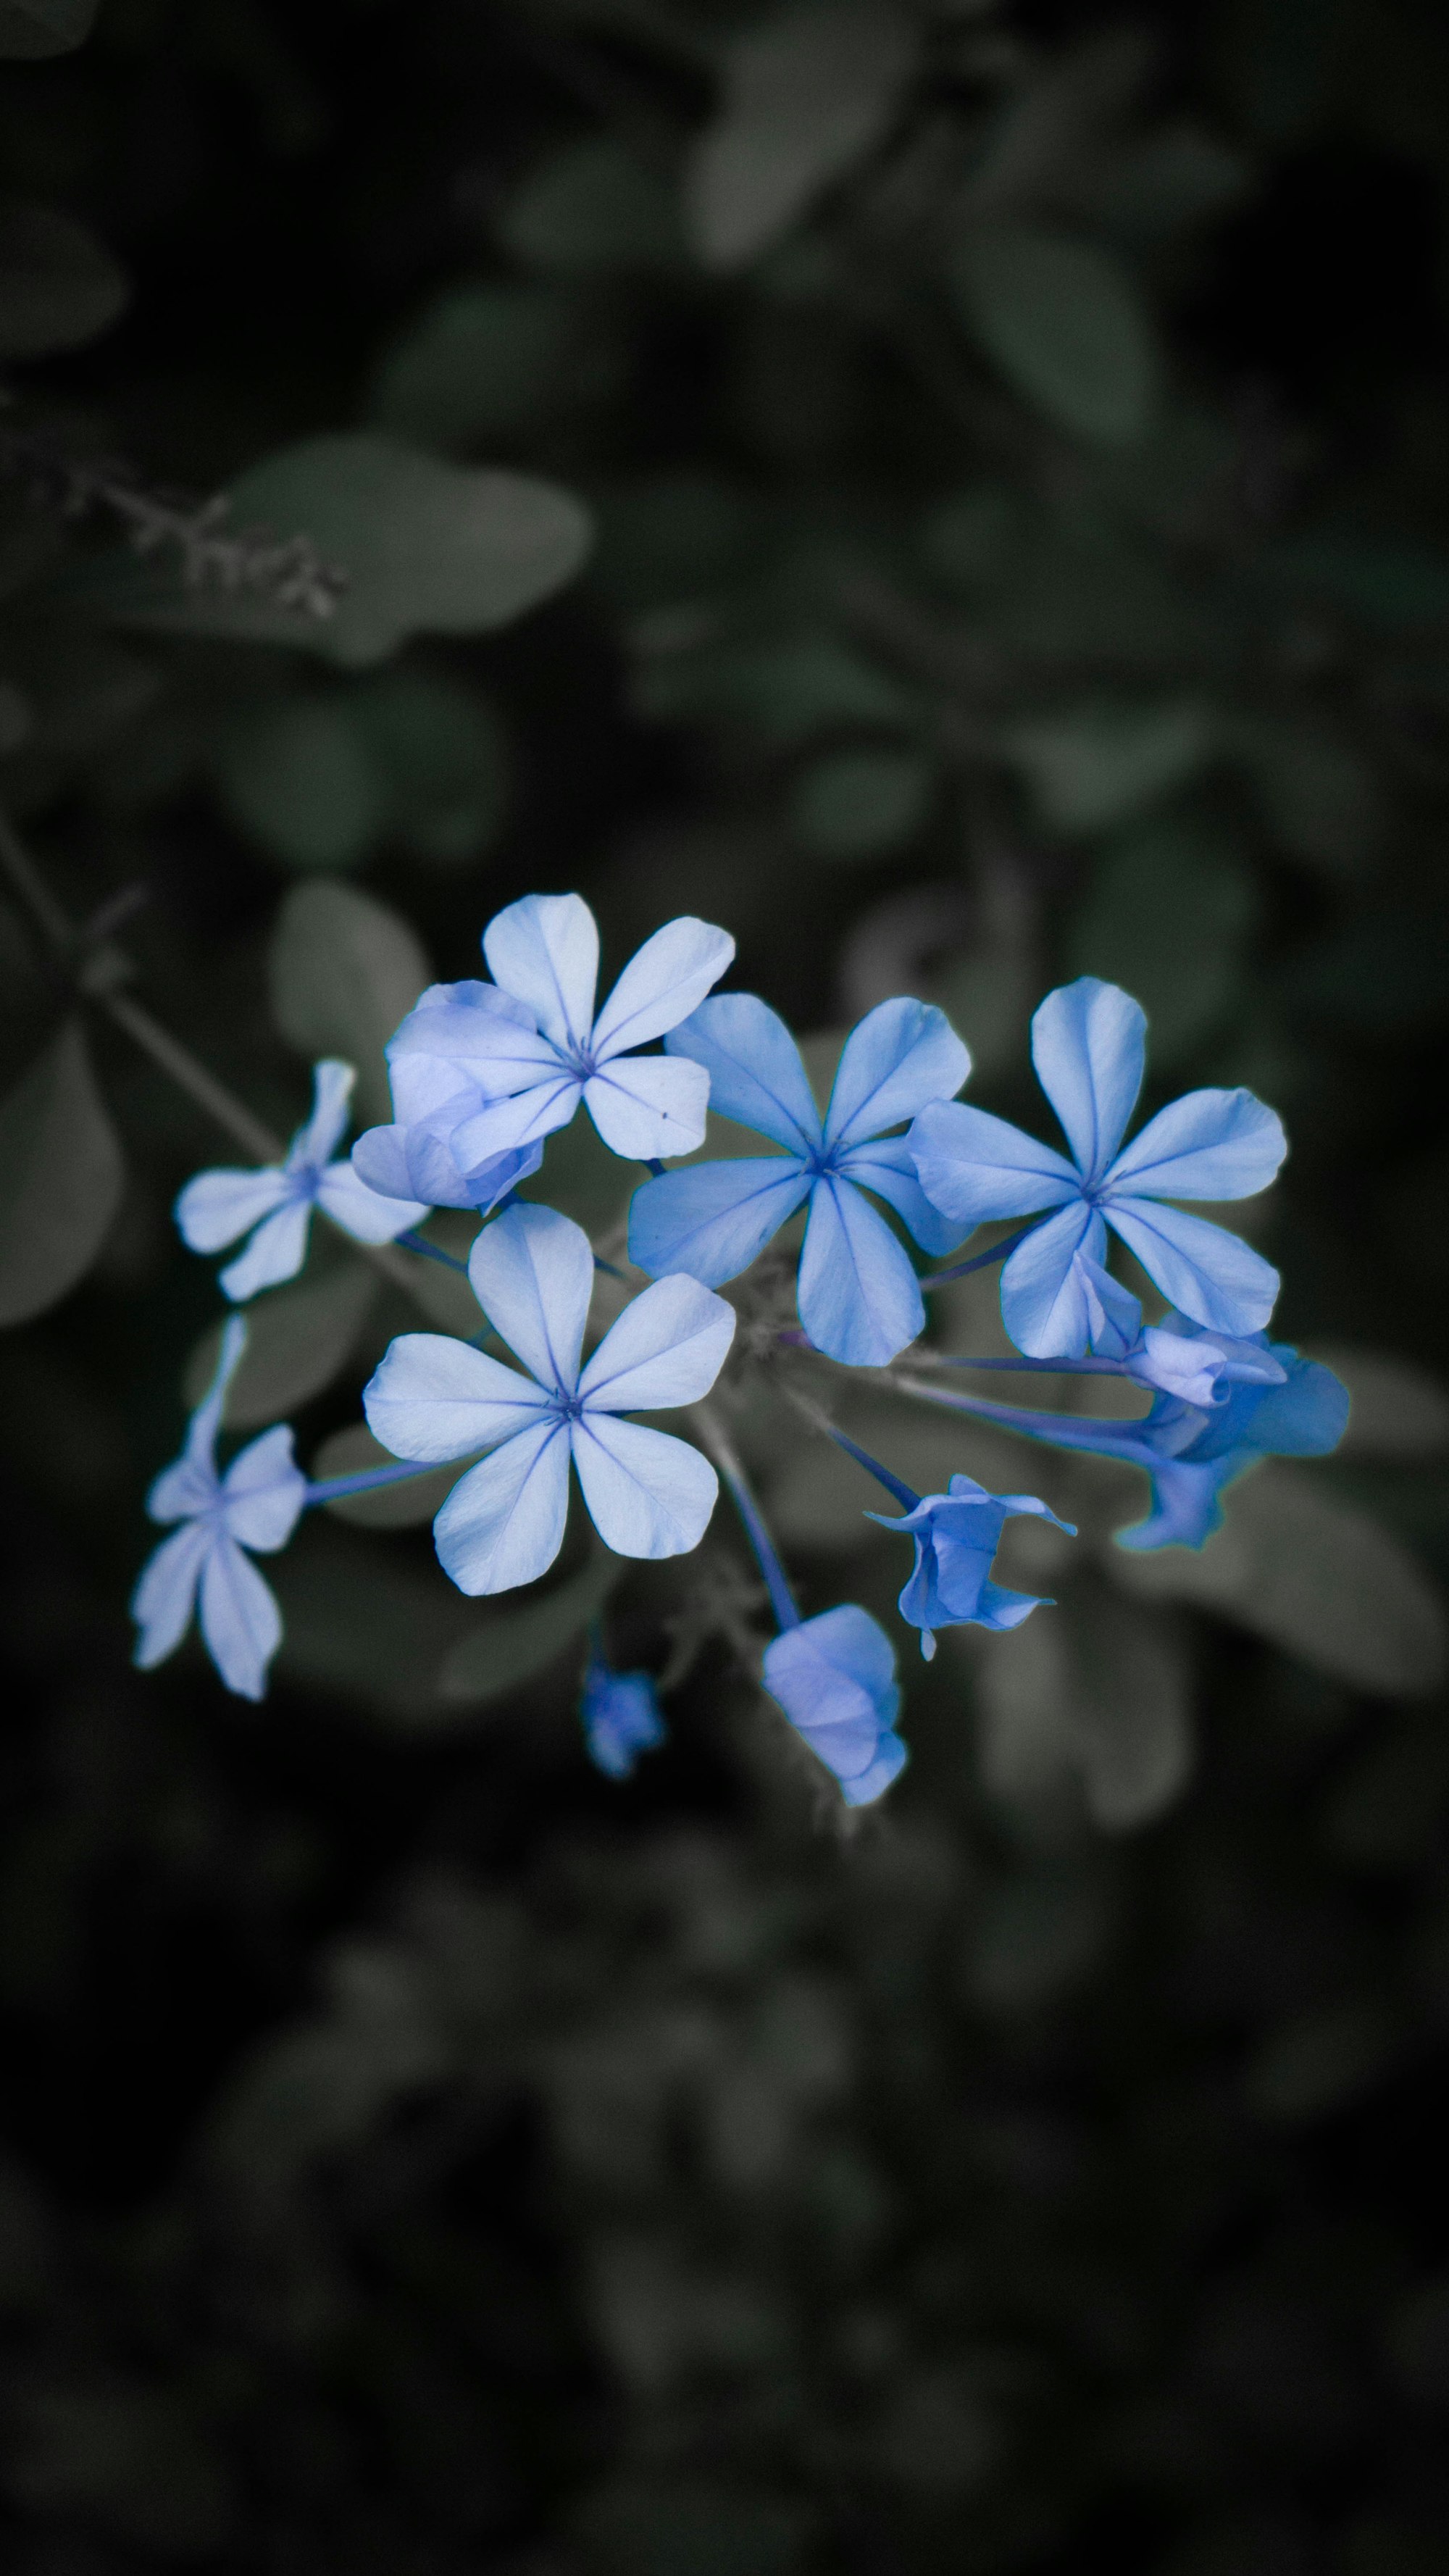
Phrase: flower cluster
(894, 1166)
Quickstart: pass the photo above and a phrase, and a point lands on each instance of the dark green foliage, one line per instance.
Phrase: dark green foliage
(957, 495)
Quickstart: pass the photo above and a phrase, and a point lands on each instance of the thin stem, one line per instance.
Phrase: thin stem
(716, 1440)
(1057, 1430)
(1085, 1367)
(412, 1241)
(981, 1260)
(902, 1493)
(651, 1164)
(334, 1489)
(191, 1076)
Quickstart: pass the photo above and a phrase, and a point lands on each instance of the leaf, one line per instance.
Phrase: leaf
(365, 1627)
(1314, 1576)
(1169, 915)
(59, 286)
(807, 96)
(1040, 1935)
(298, 1340)
(401, 1506)
(1065, 325)
(442, 756)
(485, 362)
(857, 804)
(1083, 1695)
(424, 547)
(1313, 2064)
(1398, 1409)
(595, 208)
(297, 777)
(1094, 766)
(32, 30)
(507, 1646)
(61, 1176)
(342, 972)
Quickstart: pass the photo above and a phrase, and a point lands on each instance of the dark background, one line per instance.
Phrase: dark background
(419, 2155)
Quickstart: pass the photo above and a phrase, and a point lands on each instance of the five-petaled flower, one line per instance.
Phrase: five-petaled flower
(274, 1205)
(858, 1296)
(254, 1505)
(620, 1717)
(434, 1399)
(1088, 1046)
(957, 1534)
(481, 1072)
(835, 1678)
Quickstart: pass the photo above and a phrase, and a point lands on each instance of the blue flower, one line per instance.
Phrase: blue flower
(254, 1505)
(957, 1535)
(433, 1399)
(621, 1719)
(858, 1295)
(835, 1679)
(274, 1205)
(1175, 1357)
(1087, 1043)
(481, 1072)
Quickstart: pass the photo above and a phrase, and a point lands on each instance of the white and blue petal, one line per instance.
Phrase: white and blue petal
(217, 1207)
(1089, 1046)
(432, 1398)
(648, 1494)
(264, 1492)
(974, 1167)
(666, 980)
(510, 1126)
(859, 1298)
(1048, 1300)
(503, 1522)
(887, 1166)
(239, 1618)
(544, 952)
(903, 1054)
(668, 1347)
(532, 1272)
(191, 1484)
(1204, 1271)
(353, 1204)
(313, 1145)
(1208, 1145)
(648, 1106)
(835, 1678)
(165, 1595)
(467, 1034)
(713, 1219)
(755, 1071)
(276, 1252)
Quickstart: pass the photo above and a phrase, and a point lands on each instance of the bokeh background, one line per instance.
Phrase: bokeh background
(974, 511)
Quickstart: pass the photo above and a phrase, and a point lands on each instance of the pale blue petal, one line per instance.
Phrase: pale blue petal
(1186, 1504)
(1088, 1043)
(974, 1167)
(1209, 1145)
(276, 1251)
(433, 1398)
(649, 1106)
(418, 1161)
(755, 1073)
(162, 1602)
(347, 1199)
(858, 1296)
(834, 1677)
(887, 1166)
(533, 1275)
(1113, 1315)
(1047, 1304)
(1307, 1416)
(999, 1608)
(872, 1783)
(660, 986)
(903, 1054)
(1204, 1271)
(240, 1620)
(313, 1145)
(508, 1126)
(190, 1485)
(264, 1492)
(648, 1494)
(544, 951)
(468, 1031)
(503, 1522)
(668, 1347)
(216, 1207)
(714, 1218)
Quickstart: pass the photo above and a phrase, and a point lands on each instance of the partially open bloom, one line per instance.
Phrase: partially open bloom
(620, 1716)
(858, 1296)
(274, 1205)
(835, 1678)
(1088, 1044)
(483, 1072)
(254, 1505)
(957, 1534)
(433, 1399)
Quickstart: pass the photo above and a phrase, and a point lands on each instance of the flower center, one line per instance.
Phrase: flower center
(569, 1408)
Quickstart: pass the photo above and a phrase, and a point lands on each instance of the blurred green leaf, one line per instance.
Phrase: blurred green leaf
(299, 1338)
(1083, 1696)
(1319, 793)
(595, 208)
(342, 971)
(32, 30)
(1064, 323)
(1169, 914)
(855, 805)
(442, 755)
(482, 363)
(506, 1646)
(128, 2457)
(296, 777)
(786, 692)
(61, 1176)
(1039, 1935)
(58, 286)
(807, 96)
(1398, 1409)
(367, 1627)
(1099, 765)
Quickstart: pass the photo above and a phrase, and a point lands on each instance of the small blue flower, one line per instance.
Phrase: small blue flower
(835, 1678)
(1175, 1357)
(1088, 1046)
(254, 1505)
(434, 1399)
(621, 1717)
(858, 1296)
(274, 1205)
(957, 1535)
(481, 1072)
